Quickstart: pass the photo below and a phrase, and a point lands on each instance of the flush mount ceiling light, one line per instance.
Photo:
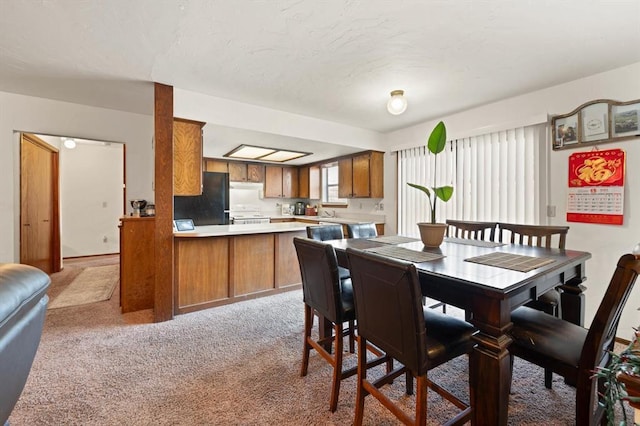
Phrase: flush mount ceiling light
(69, 143)
(249, 152)
(397, 104)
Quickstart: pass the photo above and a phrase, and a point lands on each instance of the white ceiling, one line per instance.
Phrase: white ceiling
(333, 60)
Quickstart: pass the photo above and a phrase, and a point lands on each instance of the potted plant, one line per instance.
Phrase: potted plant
(432, 233)
(622, 380)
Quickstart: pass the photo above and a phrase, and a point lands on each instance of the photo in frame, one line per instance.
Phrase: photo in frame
(565, 131)
(595, 122)
(626, 120)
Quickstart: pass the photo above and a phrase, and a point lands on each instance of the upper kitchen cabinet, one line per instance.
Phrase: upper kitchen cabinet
(213, 165)
(361, 176)
(309, 182)
(280, 182)
(245, 172)
(187, 157)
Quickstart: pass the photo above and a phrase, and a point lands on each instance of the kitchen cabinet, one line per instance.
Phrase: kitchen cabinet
(309, 182)
(280, 182)
(245, 172)
(213, 165)
(187, 157)
(137, 263)
(361, 176)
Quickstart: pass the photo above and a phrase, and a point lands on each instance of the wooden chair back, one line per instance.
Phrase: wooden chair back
(534, 235)
(471, 230)
(361, 230)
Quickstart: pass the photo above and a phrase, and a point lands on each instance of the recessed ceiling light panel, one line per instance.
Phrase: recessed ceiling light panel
(249, 152)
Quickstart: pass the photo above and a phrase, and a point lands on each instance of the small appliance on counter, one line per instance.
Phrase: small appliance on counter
(287, 209)
(300, 208)
(138, 207)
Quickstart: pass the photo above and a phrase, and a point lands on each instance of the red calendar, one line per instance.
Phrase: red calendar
(596, 187)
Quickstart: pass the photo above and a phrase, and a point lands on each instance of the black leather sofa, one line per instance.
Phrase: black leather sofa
(23, 304)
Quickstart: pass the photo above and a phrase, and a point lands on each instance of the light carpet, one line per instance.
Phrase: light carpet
(231, 365)
(93, 284)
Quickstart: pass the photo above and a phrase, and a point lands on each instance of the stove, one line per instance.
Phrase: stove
(248, 218)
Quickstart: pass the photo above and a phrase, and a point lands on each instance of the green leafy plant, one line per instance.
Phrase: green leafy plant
(436, 144)
(615, 391)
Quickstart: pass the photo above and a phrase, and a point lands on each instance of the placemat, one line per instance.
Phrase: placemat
(406, 254)
(470, 242)
(516, 262)
(393, 239)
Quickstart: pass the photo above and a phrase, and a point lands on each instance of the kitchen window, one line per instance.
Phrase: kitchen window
(330, 185)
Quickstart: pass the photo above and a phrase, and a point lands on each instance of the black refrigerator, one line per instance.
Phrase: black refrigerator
(210, 208)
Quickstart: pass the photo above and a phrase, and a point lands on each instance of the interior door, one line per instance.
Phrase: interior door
(39, 212)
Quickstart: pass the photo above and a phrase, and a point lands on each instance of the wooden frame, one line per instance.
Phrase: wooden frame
(594, 122)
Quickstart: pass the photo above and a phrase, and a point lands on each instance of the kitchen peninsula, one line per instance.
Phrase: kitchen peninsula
(221, 264)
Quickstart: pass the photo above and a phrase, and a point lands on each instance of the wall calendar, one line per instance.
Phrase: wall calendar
(596, 187)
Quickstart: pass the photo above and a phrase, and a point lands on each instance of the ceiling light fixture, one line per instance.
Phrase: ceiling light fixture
(69, 143)
(250, 152)
(397, 104)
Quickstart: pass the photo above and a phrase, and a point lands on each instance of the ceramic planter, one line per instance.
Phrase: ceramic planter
(432, 234)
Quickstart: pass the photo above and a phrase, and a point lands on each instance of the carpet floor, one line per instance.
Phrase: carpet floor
(231, 365)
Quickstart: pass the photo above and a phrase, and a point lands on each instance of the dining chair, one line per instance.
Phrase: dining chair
(326, 295)
(390, 315)
(572, 351)
(471, 230)
(539, 236)
(328, 232)
(361, 230)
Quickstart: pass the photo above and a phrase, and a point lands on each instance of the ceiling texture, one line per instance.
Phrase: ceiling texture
(329, 59)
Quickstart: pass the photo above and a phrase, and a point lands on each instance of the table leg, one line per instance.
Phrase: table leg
(572, 301)
(490, 375)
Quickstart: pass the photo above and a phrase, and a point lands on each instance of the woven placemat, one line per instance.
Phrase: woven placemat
(515, 262)
(406, 254)
(393, 239)
(470, 242)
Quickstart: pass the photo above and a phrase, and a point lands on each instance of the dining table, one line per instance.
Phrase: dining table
(488, 280)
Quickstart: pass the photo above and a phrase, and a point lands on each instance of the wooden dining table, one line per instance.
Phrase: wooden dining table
(488, 294)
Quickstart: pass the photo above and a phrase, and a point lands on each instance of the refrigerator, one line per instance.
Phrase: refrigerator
(210, 208)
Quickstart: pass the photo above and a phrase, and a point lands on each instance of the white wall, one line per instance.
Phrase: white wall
(606, 243)
(44, 116)
(91, 198)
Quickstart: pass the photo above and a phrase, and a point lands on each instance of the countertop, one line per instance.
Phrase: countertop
(340, 220)
(228, 230)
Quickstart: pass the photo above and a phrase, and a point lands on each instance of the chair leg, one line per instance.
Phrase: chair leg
(409, 382)
(352, 336)
(362, 376)
(306, 347)
(548, 378)
(337, 368)
(421, 400)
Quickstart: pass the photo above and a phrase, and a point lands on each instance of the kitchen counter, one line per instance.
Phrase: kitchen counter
(229, 230)
(341, 220)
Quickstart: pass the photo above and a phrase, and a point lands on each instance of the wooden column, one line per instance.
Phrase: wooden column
(163, 129)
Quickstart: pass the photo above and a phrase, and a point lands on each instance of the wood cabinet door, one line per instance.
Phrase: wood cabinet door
(137, 264)
(289, 182)
(237, 172)
(187, 157)
(273, 182)
(255, 173)
(345, 178)
(361, 182)
(218, 166)
(303, 182)
(376, 175)
(37, 205)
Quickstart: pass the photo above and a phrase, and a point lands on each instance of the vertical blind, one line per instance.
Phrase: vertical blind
(496, 177)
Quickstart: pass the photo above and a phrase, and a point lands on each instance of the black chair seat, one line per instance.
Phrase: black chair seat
(539, 333)
(549, 299)
(447, 337)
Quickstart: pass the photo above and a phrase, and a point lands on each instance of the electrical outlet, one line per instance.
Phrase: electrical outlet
(104, 204)
(105, 239)
(381, 206)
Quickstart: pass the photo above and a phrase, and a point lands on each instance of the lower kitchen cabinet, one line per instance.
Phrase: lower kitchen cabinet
(217, 270)
(137, 263)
